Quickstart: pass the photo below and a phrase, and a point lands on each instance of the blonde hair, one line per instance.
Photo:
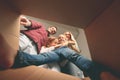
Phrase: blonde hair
(75, 46)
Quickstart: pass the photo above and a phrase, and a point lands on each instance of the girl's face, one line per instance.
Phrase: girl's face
(54, 42)
(62, 38)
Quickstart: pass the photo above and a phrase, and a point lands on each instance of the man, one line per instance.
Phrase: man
(32, 39)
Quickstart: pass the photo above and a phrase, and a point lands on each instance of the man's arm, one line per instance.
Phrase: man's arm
(30, 24)
(24, 21)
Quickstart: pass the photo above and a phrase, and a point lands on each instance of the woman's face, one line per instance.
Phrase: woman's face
(67, 34)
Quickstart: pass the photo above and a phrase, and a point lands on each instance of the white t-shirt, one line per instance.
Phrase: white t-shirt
(46, 49)
(52, 66)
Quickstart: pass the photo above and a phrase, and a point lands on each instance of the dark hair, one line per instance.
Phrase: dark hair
(54, 26)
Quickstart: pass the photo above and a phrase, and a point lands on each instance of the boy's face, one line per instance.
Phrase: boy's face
(54, 43)
(67, 34)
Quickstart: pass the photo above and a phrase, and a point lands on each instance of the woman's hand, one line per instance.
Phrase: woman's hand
(65, 43)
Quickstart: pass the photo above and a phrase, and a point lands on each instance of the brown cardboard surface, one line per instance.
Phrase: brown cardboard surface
(9, 25)
(103, 36)
(33, 73)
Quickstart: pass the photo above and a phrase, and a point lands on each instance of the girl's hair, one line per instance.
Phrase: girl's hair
(71, 35)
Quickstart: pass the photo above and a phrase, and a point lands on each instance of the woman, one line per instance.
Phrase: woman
(72, 42)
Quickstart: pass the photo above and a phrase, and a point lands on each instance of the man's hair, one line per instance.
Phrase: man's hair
(53, 26)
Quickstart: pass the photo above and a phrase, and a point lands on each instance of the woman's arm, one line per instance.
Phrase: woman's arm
(71, 42)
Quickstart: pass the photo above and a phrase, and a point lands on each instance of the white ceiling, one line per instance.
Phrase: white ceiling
(79, 13)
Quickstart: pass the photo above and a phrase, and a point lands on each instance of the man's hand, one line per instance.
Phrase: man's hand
(24, 21)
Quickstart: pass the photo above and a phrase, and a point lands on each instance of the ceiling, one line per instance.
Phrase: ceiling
(79, 13)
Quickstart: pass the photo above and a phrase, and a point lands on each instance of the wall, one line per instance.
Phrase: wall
(103, 36)
(83, 44)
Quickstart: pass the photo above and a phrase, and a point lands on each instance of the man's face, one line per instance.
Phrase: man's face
(52, 30)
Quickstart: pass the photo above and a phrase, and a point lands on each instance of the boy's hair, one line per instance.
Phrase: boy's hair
(50, 39)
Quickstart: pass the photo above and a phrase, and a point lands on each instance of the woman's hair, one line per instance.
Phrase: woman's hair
(71, 35)
(75, 46)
